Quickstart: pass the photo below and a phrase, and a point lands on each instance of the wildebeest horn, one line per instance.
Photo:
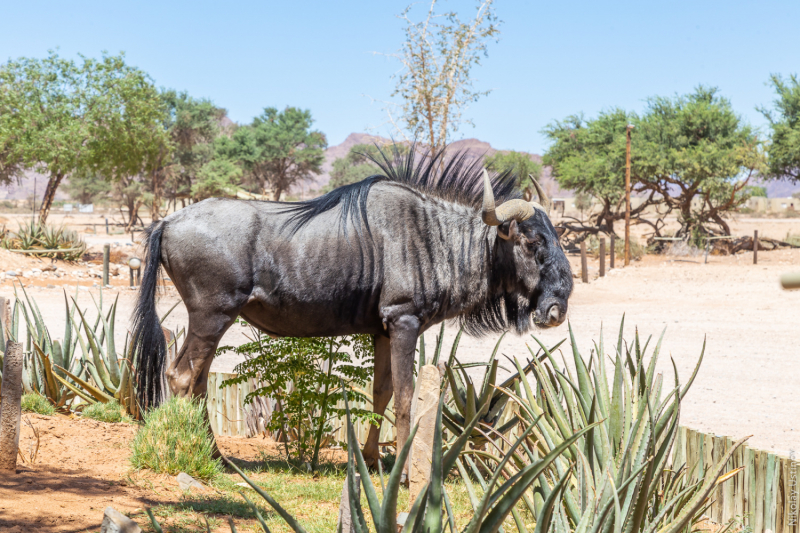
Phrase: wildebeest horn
(518, 210)
(547, 204)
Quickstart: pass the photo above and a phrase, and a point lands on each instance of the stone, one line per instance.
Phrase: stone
(116, 522)
(187, 482)
(423, 412)
(401, 521)
(345, 523)
(11, 273)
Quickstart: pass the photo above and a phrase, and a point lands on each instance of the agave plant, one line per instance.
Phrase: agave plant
(623, 465)
(45, 359)
(431, 512)
(34, 236)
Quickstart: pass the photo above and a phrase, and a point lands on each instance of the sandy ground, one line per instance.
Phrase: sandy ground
(748, 383)
(81, 468)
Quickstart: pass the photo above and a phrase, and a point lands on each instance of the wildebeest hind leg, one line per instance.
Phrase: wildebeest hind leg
(187, 375)
(381, 394)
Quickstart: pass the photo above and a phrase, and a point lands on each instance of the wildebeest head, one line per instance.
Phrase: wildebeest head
(536, 275)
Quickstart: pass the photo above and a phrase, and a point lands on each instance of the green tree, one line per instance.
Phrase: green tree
(218, 177)
(193, 125)
(784, 123)
(63, 118)
(698, 156)
(277, 150)
(435, 84)
(588, 157)
(87, 189)
(521, 165)
(359, 163)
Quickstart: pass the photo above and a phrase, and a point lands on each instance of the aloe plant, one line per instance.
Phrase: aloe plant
(623, 477)
(431, 511)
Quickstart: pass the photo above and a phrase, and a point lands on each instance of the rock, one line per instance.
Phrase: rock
(401, 521)
(51, 286)
(116, 522)
(187, 482)
(11, 273)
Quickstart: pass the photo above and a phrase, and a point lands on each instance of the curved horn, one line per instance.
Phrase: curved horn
(543, 198)
(518, 210)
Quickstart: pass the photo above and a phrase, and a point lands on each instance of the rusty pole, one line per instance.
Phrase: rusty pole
(602, 256)
(584, 265)
(628, 194)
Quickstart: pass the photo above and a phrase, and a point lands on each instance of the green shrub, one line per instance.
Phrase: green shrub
(107, 412)
(175, 439)
(303, 377)
(36, 403)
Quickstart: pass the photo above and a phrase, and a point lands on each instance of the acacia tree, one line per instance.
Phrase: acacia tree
(277, 150)
(698, 156)
(435, 84)
(520, 165)
(192, 126)
(588, 157)
(99, 117)
(784, 123)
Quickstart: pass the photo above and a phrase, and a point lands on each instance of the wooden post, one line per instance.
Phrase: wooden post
(11, 408)
(346, 524)
(106, 256)
(584, 266)
(628, 194)
(602, 257)
(755, 247)
(613, 251)
(106, 226)
(423, 412)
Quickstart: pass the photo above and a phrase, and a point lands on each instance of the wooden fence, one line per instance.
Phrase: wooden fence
(764, 496)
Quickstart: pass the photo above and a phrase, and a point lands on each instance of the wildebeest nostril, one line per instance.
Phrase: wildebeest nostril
(554, 314)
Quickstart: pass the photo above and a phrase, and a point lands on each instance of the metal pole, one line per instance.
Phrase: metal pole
(131, 276)
(613, 251)
(584, 266)
(602, 257)
(755, 247)
(628, 194)
(106, 226)
(106, 255)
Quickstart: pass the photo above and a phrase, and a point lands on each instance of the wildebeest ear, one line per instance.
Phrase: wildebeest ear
(508, 230)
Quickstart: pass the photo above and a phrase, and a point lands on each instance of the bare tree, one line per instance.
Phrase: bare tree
(435, 84)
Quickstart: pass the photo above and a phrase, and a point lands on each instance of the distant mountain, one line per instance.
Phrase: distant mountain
(475, 148)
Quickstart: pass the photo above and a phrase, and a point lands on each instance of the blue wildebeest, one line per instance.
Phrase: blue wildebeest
(389, 256)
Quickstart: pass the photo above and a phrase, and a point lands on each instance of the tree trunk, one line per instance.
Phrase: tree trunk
(277, 194)
(49, 196)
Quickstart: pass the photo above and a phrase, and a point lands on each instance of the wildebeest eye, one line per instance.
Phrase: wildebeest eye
(532, 243)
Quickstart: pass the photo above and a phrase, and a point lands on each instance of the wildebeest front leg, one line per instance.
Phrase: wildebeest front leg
(403, 333)
(381, 394)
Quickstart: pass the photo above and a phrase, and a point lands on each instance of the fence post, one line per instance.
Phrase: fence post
(423, 412)
(106, 255)
(584, 265)
(613, 252)
(345, 518)
(755, 247)
(106, 226)
(602, 257)
(11, 408)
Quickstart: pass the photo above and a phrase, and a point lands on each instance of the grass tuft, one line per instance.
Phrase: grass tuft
(175, 439)
(107, 412)
(36, 403)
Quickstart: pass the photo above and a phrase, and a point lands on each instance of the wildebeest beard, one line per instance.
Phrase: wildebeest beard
(498, 314)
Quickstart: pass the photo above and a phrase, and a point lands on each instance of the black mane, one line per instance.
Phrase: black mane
(456, 179)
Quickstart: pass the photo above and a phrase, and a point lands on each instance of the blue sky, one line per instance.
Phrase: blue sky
(553, 58)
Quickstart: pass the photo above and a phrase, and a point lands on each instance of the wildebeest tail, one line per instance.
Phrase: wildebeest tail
(148, 338)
